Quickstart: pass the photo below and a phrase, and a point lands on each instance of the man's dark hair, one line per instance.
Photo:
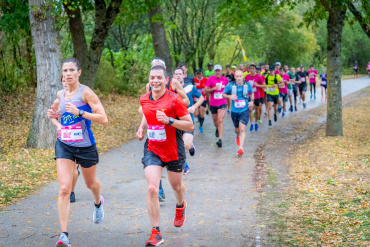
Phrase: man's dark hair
(253, 65)
(178, 68)
(181, 64)
(227, 66)
(159, 67)
(74, 61)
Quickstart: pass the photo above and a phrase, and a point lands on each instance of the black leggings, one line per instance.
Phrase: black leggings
(313, 85)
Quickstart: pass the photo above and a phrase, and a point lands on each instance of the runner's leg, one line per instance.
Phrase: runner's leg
(220, 121)
(242, 128)
(175, 179)
(153, 176)
(65, 170)
(75, 178)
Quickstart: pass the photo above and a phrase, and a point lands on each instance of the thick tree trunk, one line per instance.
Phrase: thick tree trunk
(42, 133)
(334, 125)
(160, 42)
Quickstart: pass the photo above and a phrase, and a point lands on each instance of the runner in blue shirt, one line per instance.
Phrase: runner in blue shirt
(242, 96)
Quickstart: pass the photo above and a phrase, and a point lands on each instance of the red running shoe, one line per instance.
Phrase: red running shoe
(240, 152)
(179, 219)
(155, 239)
(237, 141)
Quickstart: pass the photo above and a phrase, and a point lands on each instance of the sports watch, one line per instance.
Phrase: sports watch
(170, 121)
(82, 112)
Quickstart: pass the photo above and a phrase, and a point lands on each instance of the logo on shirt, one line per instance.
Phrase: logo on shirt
(163, 110)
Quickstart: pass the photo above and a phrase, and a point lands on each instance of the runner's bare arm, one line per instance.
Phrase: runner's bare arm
(208, 90)
(199, 102)
(98, 116)
(231, 96)
(180, 91)
(52, 113)
(140, 132)
(184, 123)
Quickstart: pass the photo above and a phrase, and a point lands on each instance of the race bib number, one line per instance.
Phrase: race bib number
(157, 133)
(303, 79)
(323, 82)
(271, 89)
(217, 95)
(312, 75)
(239, 103)
(254, 89)
(71, 133)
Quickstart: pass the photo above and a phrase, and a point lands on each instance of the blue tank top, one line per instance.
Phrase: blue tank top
(76, 131)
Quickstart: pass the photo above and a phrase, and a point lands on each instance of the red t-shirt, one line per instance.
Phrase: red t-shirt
(165, 146)
(200, 84)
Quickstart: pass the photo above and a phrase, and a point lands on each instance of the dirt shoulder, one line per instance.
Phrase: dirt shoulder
(325, 199)
(23, 170)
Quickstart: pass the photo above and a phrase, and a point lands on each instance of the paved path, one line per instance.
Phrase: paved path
(220, 191)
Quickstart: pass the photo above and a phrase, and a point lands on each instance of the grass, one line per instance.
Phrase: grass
(23, 170)
(328, 203)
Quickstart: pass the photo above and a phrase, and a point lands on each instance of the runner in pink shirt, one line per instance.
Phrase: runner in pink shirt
(368, 69)
(312, 73)
(215, 86)
(283, 90)
(256, 82)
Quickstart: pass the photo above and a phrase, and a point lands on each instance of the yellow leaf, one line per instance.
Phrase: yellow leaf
(48, 229)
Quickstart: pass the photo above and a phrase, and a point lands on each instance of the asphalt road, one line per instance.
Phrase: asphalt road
(221, 192)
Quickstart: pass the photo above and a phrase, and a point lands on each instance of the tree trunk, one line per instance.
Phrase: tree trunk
(334, 125)
(160, 43)
(42, 132)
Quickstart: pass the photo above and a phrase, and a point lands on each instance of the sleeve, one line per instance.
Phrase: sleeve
(195, 92)
(278, 78)
(208, 83)
(180, 108)
(228, 89)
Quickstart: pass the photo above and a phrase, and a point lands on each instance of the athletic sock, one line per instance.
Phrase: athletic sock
(180, 206)
(98, 205)
(160, 184)
(201, 121)
(157, 228)
(198, 118)
(66, 233)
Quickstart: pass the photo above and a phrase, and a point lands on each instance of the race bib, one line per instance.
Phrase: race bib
(303, 79)
(254, 89)
(239, 103)
(72, 133)
(323, 82)
(217, 95)
(157, 133)
(271, 89)
(312, 75)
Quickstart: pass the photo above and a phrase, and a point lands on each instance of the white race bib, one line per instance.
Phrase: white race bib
(217, 96)
(157, 133)
(323, 82)
(303, 79)
(72, 133)
(239, 103)
(271, 89)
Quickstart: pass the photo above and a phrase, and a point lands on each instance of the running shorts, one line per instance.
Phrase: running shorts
(204, 104)
(258, 102)
(242, 117)
(272, 98)
(85, 156)
(302, 87)
(214, 109)
(151, 159)
(325, 86)
(284, 96)
(290, 91)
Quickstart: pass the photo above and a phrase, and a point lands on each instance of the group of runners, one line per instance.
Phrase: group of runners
(168, 110)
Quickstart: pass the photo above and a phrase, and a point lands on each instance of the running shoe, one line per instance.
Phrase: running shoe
(219, 143)
(259, 120)
(279, 109)
(98, 215)
(207, 112)
(180, 216)
(155, 238)
(283, 114)
(291, 108)
(216, 133)
(266, 113)
(72, 197)
(228, 111)
(186, 169)
(270, 124)
(240, 152)
(192, 150)
(201, 129)
(311, 96)
(304, 105)
(63, 241)
(161, 195)
(255, 126)
(275, 117)
(251, 128)
(237, 140)
(295, 108)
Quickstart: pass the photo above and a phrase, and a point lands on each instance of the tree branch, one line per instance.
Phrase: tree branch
(359, 18)
(328, 8)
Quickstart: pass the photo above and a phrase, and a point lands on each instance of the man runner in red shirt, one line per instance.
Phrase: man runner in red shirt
(166, 115)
